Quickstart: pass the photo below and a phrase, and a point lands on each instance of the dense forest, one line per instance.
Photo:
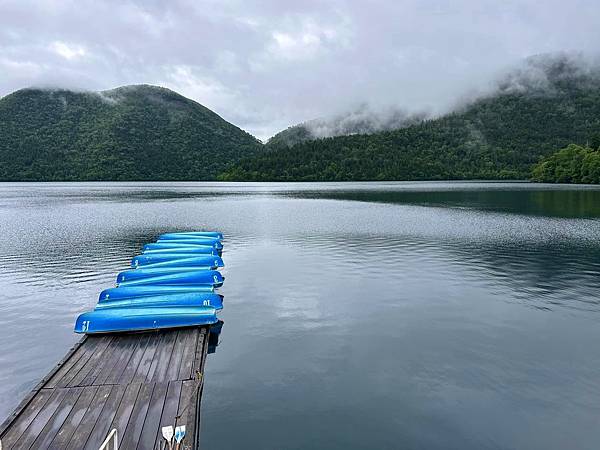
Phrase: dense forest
(362, 120)
(151, 133)
(500, 136)
(130, 133)
(572, 164)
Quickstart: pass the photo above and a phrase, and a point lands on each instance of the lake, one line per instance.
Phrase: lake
(357, 315)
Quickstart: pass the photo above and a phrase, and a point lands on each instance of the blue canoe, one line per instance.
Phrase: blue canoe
(190, 241)
(170, 276)
(112, 320)
(197, 250)
(163, 245)
(198, 234)
(144, 290)
(165, 301)
(176, 260)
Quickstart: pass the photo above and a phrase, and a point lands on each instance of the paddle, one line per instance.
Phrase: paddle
(167, 433)
(179, 435)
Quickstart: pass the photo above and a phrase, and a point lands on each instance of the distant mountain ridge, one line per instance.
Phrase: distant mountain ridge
(361, 120)
(146, 132)
(136, 132)
(551, 102)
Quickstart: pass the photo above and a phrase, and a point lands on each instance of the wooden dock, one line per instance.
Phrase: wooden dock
(136, 383)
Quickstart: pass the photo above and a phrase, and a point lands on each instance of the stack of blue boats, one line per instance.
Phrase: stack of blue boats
(171, 284)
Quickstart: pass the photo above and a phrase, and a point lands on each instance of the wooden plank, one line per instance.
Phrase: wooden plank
(181, 341)
(71, 424)
(162, 357)
(148, 357)
(132, 433)
(29, 397)
(190, 416)
(187, 359)
(92, 362)
(186, 412)
(167, 416)
(58, 418)
(106, 363)
(81, 415)
(200, 351)
(64, 368)
(126, 345)
(152, 421)
(120, 419)
(197, 423)
(82, 432)
(18, 427)
(86, 351)
(41, 419)
(112, 358)
(132, 366)
(151, 425)
(104, 419)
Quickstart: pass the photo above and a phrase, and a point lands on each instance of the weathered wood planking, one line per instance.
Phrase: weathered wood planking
(136, 383)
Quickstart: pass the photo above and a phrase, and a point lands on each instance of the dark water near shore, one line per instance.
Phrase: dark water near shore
(388, 315)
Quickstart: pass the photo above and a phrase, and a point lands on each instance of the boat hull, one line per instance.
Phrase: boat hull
(198, 234)
(170, 276)
(176, 260)
(165, 301)
(163, 245)
(197, 250)
(149, 290)
(112, 320)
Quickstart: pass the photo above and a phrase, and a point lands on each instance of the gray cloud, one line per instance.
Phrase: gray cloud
(270, 64)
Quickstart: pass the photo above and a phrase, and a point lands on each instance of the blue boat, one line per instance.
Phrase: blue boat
(170, 276)
(165, 301)
(113, 320)
(197, 250)
(190, 240)
(145, 290)
(184, 243)
(176, 260)
(200, 234)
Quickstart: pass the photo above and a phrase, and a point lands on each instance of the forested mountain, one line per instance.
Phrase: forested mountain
(362, 120)
(550, 103)
(151, 133)
(130, 133)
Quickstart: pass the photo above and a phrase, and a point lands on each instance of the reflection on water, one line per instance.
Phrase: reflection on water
(394, 315)
(213, 336)
(513, 198)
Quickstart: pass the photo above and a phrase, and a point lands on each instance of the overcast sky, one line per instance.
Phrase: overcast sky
(265, 65)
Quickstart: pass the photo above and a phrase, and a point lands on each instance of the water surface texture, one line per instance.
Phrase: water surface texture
(357, 315)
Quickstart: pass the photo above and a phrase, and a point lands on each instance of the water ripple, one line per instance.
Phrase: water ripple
(432, 315)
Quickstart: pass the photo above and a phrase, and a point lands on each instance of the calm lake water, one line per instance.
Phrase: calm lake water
(367, 315)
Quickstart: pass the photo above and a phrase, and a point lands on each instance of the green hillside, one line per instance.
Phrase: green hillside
(129, 133)
(553, 102)
(362, 120)
(573, 164)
